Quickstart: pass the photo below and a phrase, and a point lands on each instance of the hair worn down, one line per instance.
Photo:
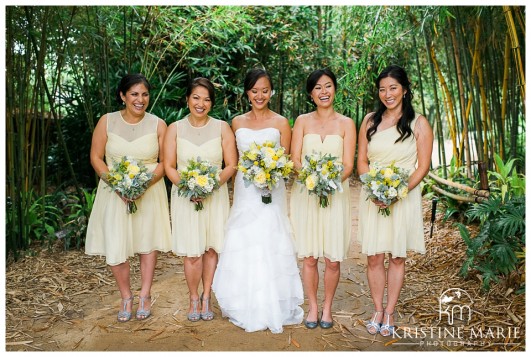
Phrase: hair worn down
(408, 112)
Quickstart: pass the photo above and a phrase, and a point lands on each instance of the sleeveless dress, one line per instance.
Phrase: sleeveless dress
(257, 282)
(321, 232)
(195, 232)
(113, 232)
(403, 229)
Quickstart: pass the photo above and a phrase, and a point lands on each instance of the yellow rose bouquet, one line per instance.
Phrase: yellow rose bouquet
(321, 175)
(385, 184)
(264, 165)
(130, 178)
(198, 180)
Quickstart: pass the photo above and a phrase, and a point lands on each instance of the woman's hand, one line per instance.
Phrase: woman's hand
(383, 205)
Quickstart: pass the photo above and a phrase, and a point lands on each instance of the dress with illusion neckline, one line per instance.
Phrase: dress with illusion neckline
(195, 232)
(111, 231)
(257, 282)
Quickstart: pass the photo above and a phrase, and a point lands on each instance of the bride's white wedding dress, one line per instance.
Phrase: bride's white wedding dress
(257, 282)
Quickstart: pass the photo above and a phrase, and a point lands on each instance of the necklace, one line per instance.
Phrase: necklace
(197, 129)
(131, 126)
(323, 122)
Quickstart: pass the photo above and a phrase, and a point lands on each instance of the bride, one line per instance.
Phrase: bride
(257, 282)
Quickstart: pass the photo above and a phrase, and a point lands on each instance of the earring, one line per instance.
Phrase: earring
(404, 96)
(123, 103)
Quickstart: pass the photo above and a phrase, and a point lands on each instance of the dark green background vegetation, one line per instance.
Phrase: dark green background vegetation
(63, 64)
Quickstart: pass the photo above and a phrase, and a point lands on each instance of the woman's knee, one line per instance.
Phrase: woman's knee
(374, 261)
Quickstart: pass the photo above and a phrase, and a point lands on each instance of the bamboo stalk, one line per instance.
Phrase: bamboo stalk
(448, 103)
(474, 191)
(516, 48)
(475, 199)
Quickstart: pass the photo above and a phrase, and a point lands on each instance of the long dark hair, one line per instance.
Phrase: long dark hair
(314, 77)
(408, 113)
(127, 82)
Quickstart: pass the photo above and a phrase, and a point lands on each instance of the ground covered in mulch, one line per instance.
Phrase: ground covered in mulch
(66, 301)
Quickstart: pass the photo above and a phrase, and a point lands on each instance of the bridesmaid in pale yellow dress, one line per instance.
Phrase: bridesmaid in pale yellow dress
(393, 133)
(322, 232)
(111, 231)
(198, 235)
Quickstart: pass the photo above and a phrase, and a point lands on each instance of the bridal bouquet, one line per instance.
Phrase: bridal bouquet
(385, 184)
(264, 165)
(198, 180)
(130, 178)
(321, 175)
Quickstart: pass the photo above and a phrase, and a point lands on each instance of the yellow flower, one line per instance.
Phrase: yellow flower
(310, 182)
(402, 192)
(269, 151)
(202, 180)
(260, 178)
(255, 163)
(373, 172)
(388, 172)
(133, 170)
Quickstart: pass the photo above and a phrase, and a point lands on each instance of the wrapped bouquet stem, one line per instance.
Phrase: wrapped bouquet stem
(386, 184)
(263, 166)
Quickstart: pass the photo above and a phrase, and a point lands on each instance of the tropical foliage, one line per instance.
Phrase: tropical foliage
(63, 63)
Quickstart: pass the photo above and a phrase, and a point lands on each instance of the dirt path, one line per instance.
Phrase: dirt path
(92, 326)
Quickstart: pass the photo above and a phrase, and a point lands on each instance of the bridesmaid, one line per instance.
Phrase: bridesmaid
(322, 232)
(111, 231)
(198, 235)
(394, 132)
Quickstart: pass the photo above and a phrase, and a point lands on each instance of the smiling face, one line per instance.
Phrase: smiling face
(260, 94)
(323, 92)
(391, 92)
(199, 102)
(136, 99)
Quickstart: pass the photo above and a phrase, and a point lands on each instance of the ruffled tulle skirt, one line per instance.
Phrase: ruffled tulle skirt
(257, 281)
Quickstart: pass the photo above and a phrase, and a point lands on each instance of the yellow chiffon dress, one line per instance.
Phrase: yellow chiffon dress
(403, 229)
(111, 231)
(321, 232)
(194, 232)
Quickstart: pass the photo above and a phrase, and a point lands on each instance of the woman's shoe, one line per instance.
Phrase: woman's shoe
(311, 324)
(207, 315)
(372, 326)
(387, 330)
(142, 314)
(194, 315)
(123, 315)
(325, 324)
